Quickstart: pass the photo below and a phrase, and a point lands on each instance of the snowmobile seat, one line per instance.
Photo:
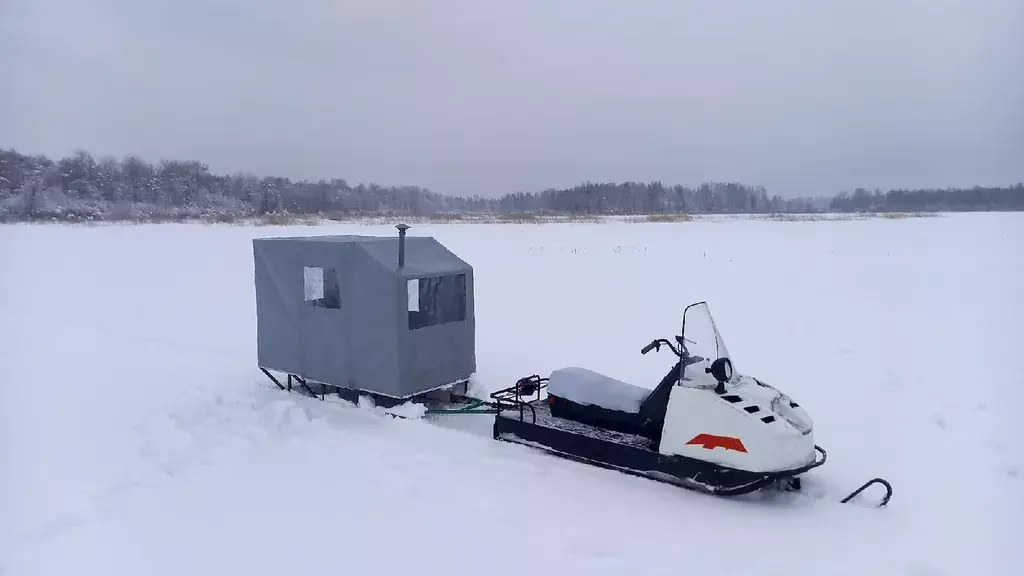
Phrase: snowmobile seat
(590, 388)
(591, 398)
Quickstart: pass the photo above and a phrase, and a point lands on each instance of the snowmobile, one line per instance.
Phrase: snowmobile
(704, 427)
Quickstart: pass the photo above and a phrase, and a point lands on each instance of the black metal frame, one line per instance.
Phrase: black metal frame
(291, 378)
(274, 379)
(348, 394)
(520, 396)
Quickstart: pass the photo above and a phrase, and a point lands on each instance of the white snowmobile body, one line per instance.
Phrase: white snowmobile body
(751, 427)
(703, 426)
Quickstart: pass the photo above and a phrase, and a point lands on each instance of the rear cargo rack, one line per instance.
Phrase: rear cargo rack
(520, 396)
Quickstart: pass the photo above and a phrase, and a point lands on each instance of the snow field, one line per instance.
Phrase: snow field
(138, 437)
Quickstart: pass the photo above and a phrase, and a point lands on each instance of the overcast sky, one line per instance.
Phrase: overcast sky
(487, 96)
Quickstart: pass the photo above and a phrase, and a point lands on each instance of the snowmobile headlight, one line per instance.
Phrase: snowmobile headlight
(782, 407)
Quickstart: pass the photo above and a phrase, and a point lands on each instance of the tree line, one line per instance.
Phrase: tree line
(78, 187)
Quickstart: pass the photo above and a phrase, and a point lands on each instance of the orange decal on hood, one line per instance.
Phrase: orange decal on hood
(711, 441)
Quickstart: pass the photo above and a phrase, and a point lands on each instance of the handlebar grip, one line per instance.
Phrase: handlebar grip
(649, 347)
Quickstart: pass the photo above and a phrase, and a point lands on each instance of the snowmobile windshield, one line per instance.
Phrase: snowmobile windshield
(702, 339)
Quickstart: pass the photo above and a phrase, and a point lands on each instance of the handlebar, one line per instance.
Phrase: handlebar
(656, 345)
(681, 352)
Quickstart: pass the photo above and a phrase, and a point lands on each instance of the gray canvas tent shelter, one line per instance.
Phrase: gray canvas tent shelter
(388, 315)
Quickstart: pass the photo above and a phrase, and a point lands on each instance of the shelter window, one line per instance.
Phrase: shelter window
(436, 300)
(321, 287)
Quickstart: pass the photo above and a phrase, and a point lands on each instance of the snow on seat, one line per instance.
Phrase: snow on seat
(588, 387)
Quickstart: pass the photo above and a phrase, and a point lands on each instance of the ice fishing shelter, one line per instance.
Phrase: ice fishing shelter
(387, 315)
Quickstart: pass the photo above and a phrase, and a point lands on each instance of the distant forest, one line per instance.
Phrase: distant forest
(34, 187)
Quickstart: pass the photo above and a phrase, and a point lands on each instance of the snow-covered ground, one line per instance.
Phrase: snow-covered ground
(138, 436)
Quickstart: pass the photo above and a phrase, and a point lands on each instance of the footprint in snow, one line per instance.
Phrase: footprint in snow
(1011, 471)
(940, 421)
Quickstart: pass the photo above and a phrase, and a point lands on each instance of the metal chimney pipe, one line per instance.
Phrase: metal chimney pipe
(401, 243)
